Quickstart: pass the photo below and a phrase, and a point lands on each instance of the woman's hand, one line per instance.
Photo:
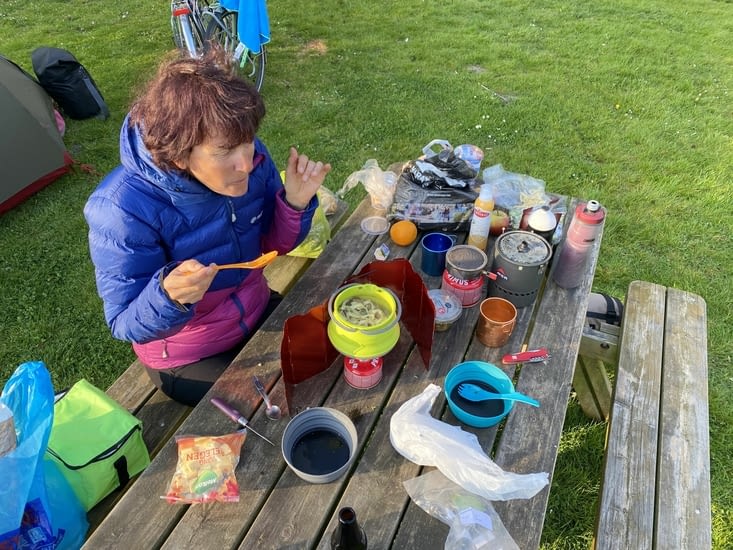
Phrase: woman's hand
(303, 177)
(189, 281)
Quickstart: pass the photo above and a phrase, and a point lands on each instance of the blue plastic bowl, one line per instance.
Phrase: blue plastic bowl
(479, 414)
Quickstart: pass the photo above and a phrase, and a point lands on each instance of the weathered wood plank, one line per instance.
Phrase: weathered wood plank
(161, 416)
(600, 344)
(683, 483)
(627, 507)
(598, 350)
(310, 512)
(417, 529)
(141, 515)
(593, 387)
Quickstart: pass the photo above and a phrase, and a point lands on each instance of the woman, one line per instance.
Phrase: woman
(195, 188)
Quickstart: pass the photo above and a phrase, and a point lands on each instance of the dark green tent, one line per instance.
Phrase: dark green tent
(32, 153)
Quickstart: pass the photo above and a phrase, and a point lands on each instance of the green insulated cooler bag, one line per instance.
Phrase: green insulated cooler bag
(97, 444)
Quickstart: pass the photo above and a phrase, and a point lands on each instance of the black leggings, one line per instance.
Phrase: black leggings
(188, 384)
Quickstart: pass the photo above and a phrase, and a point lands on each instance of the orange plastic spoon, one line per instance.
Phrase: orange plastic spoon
(257, 263)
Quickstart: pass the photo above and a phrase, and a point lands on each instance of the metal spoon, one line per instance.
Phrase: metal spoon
(273, 412)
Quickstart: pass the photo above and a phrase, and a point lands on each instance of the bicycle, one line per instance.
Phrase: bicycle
(196, 24)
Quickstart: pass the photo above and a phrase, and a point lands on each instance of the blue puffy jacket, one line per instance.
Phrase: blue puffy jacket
(144, 220)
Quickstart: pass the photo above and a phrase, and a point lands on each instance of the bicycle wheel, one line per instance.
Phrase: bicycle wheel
(221, 29)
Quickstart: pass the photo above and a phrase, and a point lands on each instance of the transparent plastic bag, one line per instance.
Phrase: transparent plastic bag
(379, 184)
(512, 189)
(473, 522)
(424, 440)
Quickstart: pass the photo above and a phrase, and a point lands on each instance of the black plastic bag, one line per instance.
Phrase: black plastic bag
(441, 171)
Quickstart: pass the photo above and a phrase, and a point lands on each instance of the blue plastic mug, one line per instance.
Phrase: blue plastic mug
(434, 248)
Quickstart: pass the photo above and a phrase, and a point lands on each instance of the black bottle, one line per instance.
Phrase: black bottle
(348, 535)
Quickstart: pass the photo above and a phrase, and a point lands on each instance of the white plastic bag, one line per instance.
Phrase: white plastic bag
(473, 522)
(424, 440)
(380, 185)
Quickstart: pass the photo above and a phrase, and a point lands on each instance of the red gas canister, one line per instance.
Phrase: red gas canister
(468, 292)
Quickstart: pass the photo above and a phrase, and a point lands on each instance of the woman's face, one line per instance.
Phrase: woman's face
(221, 167)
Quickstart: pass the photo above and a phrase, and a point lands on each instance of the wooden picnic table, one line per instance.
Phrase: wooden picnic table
(277, 509)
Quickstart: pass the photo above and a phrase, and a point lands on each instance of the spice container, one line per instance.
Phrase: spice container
(448, 308)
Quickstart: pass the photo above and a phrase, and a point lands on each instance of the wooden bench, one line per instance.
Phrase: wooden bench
(656, 481)
(160, 415)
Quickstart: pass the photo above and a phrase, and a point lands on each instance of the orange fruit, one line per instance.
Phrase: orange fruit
(403, 232)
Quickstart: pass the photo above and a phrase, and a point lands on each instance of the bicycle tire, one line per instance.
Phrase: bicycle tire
(221, 29)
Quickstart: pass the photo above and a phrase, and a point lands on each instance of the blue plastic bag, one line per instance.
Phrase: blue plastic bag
(28, 519)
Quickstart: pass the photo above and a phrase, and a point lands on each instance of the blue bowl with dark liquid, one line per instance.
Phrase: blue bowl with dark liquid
(479, 414)
(319, 444)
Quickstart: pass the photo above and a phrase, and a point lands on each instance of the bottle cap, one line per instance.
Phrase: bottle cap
(486, 192)
(591, 212)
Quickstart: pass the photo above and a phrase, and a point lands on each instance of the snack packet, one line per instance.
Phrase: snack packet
(205, 469)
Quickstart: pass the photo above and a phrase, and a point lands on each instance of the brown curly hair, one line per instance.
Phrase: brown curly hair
(192, 99)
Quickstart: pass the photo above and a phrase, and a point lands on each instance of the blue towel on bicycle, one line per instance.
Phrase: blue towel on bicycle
(253, 25)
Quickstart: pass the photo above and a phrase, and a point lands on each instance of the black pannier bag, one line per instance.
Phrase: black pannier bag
(68, 83)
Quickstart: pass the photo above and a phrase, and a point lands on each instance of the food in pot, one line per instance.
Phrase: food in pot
(362, 312)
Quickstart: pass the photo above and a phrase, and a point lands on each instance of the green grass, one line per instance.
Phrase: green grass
(627, 102)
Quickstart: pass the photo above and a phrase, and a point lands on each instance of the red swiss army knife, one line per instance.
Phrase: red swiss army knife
(530, 356)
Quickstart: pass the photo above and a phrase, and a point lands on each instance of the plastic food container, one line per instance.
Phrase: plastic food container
(479, 414)
(319, 444)
(448, 308)
(375, 225)
(364, 342)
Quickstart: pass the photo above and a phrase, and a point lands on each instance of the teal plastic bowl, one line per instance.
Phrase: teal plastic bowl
(479, 414)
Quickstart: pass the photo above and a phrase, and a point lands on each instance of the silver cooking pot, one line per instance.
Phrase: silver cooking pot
(520, 260)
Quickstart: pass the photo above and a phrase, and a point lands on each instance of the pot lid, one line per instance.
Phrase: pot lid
(523, 248)
(466, 257)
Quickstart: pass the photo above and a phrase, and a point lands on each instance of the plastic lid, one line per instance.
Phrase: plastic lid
(448, 307)
(542, 220)
(374, 225)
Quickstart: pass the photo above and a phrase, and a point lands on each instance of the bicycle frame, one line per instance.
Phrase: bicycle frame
(196, 22)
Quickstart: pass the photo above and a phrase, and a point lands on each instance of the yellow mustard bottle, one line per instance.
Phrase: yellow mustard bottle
(478, 235)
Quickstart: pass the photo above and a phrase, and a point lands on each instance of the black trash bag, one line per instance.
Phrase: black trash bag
(441, 171)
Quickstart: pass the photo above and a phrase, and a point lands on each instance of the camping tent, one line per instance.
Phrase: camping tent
(32, 153)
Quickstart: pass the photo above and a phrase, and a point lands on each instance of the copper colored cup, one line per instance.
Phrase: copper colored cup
(496, 322)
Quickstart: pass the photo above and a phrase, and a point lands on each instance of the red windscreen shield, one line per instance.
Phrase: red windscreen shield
(306, 350)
